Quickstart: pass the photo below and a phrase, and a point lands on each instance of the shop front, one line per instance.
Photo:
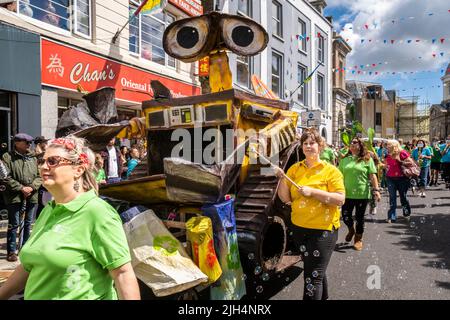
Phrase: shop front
(20, 83)
(68, 72)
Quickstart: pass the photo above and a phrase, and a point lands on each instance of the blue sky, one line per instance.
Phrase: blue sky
(400, 20)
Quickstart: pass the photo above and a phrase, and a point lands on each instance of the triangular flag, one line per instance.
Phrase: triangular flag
(434, 55)
(359, 71)
(370, 73)
(353, 72)
(376, 72)
(442, 40)
(370, 40)
(307, 38)
(442, 54)
(318, 34)
(409, 41)
(362, 40)
(367, 26)
(361, 66)
(392, 41)
(433, 40)
(418, 40)
(374, 64)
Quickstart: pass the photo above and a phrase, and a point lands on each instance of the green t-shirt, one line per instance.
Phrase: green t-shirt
(100, 175)
(328, 156)
(72, 249)
(436, 155)
(356, 177)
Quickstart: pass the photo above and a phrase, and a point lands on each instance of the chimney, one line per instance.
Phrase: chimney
(319, 5)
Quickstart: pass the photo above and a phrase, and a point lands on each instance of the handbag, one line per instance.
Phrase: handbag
(410, 168)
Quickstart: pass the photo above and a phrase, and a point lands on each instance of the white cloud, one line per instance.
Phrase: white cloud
(401, 57)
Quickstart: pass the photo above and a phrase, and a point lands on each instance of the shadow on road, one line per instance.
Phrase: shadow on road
(429, 234)
(264, 290)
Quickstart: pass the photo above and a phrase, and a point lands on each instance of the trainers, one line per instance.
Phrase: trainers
(12, 257)
(423, 195)
(388, 220)
(408, 218)
(373, 211)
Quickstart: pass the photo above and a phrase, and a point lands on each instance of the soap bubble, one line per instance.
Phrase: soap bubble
(259, 289)
(308, 280)
(265, 276)
(309, 287)
(258, 270)
(302, 248)
(316, 253)
(315, 274)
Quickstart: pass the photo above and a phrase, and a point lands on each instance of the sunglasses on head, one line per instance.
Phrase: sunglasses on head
(55, 161)
(355, 142)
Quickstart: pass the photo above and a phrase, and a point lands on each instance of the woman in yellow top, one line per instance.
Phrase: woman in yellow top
(315, 211)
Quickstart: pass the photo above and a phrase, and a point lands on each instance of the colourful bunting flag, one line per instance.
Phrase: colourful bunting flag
(442, 54)
(392, 41)
(409, 41)
(442, 40)
(433, 41)
(367, 27)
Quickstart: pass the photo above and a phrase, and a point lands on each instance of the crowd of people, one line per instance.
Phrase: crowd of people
(64, 174)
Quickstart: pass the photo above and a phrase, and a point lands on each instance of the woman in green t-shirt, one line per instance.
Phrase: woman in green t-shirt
(78, 249)
(358, 169)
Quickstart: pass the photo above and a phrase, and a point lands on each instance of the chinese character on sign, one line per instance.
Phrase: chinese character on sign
(203, 67)
(55, 65)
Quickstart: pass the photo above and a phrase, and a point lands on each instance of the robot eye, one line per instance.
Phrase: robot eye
(189, 39)
(243, 36)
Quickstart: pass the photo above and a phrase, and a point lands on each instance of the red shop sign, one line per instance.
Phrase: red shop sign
(191, 7)
(65, 67)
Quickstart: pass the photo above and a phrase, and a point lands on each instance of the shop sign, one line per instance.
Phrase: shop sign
(203, 67)
(191, 7)
(72, 69)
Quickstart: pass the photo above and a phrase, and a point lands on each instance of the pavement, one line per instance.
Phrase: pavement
(406, 260)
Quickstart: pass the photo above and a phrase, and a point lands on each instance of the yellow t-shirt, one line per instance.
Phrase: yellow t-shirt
(308, 212)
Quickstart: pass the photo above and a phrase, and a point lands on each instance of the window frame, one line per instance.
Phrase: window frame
(304, 88)
(250, 9)
(281, 73)
(321, 49)
(303, 43)
(75, 21)
(321, 92)
(249, 65)
(73, 4)
(138, 55)
(280, 21)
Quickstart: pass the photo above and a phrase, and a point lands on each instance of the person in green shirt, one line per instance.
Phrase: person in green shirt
(100, 175)
(359, 172)
(436, 157)
(327, 155)
(78, 249)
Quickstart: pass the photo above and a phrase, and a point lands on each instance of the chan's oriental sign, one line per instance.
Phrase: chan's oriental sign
(68, 68)
(191, 7)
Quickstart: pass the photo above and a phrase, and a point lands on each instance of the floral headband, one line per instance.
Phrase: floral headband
(70, 146)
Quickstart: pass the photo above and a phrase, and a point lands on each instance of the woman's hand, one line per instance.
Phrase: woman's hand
(306, 191)
(278, 172)
(377, 196)
(126, 283)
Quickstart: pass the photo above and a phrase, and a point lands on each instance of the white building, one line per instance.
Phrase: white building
(289, 58)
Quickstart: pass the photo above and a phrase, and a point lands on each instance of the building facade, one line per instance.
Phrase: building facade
(300, 39)
(374, 107)
(439, 113)
(76, 53)
(341, 97)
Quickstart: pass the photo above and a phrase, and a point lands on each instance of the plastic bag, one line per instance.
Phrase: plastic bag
(199, 233)
(158, 258)
(231, 285)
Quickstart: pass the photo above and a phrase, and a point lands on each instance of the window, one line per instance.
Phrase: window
(302, 35)
(277, 74)
(302, 92)
(244, 71)
(320, 92)
(65, 103)
(146, 33)
(378, 119)
(277, 19)
(245, 7)
(320, 49)
(70, 15)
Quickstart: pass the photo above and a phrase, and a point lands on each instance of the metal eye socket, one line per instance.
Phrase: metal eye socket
(243, 36)
(188, 39)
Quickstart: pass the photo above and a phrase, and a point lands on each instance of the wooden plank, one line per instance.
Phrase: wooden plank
(175, 224)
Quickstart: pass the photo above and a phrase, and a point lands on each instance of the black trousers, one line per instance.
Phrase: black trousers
(316, 247)
(360, 206)
(446, 172)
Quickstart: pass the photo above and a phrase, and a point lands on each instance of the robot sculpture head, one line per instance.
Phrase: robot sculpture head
(212, 35)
